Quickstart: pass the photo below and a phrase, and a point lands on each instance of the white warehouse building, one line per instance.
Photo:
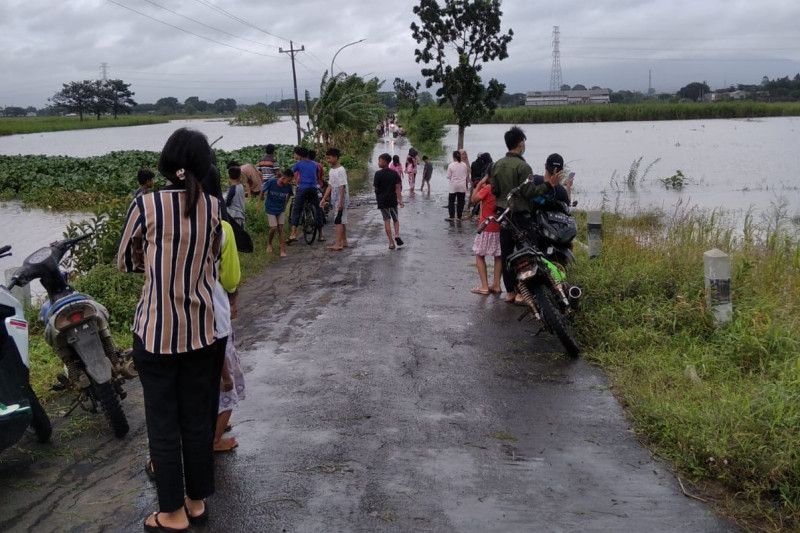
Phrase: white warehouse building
(550, 98)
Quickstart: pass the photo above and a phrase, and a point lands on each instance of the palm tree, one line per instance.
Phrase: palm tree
(348, 107)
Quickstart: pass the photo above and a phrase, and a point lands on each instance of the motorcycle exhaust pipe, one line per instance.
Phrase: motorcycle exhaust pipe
(574, 293)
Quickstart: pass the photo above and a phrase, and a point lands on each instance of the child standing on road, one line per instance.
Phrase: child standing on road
(276, 192)
(338, 192)
(234, 199)
(411, 172)
(487, 243)
(427, 172)
(388, 192)
(231, 388)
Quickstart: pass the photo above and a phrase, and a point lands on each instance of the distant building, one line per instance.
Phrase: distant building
(572, 97)
(728, 95)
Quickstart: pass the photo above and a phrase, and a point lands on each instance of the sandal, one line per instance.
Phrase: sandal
(482, 292)
(160, 528)
(226, 445)
(290, 240)
(495, 291)
(392, 247)
(200, 519)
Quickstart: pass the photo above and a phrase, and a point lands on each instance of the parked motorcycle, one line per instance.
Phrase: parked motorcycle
(19, 406)
(542, 250)
(76, 327)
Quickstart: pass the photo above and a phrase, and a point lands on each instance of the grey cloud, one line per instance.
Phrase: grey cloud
(610, 43)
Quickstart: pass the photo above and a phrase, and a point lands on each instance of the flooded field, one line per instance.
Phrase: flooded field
(732, 164)
(735, 165)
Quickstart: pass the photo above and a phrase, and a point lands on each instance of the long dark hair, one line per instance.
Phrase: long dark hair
(186, 150)
(457, 156)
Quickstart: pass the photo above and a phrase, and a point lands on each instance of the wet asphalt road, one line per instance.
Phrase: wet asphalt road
(383, 396)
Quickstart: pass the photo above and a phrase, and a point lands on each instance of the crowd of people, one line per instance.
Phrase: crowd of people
(184, 239)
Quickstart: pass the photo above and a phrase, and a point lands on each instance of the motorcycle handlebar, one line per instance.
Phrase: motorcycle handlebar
(66, 244)
(4, 249)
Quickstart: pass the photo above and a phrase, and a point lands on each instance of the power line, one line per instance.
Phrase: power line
(189, 32)
(238, 19)
(207, 26)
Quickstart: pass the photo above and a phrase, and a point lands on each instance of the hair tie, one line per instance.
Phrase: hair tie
(180, 174)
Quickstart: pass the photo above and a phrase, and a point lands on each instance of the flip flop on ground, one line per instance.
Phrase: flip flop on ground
(482, 292)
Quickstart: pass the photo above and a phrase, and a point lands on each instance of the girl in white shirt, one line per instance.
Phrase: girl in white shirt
(458, 176)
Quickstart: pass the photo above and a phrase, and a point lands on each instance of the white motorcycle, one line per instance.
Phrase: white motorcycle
(19, 406)
(76, 327)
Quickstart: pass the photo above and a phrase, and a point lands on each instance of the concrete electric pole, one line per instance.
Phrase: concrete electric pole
(292, 51)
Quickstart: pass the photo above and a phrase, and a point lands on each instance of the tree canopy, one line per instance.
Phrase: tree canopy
(694, 91)
(455, 40)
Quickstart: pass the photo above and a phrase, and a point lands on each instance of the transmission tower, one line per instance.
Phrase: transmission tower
(555, 71)
(104, 71)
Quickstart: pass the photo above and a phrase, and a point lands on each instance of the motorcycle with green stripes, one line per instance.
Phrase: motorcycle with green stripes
(542, 248)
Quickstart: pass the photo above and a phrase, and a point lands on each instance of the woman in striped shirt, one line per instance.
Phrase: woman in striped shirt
(173, 235)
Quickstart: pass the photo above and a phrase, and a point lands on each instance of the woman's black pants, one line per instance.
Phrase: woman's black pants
(452, 199)
(181, 398)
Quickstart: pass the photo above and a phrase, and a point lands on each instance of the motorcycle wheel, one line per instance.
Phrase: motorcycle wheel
(555, 321)
(104, 393)
(41, 422)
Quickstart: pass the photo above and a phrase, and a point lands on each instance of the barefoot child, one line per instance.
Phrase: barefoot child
(338, 193)
(277, 191)
(487, 243)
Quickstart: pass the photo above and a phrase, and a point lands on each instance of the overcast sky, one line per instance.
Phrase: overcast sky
(611, 43)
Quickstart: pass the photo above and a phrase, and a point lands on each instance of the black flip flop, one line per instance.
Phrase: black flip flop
(160, 528)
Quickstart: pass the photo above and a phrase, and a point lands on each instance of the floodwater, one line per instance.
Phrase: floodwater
(27, 230)
(738, 165)
(85, 143)
(34, 228)
(735, 164)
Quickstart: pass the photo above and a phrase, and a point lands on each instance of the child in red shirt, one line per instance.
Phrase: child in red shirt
(487, 243)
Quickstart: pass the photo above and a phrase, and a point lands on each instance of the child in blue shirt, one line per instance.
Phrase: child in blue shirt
(276, 192)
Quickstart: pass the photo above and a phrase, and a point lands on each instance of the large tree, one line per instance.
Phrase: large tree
(118, 96)
(406, 93)
(694, 91)
(76, 96)
(455, 40)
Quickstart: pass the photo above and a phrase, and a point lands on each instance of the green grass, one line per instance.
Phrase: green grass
(625, 112)
(13, 126)
(644, 111)
(721, 403)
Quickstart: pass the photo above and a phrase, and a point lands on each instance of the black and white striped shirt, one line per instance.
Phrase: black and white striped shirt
(176, 310)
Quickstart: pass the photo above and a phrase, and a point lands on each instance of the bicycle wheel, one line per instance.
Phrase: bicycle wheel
(309, 223)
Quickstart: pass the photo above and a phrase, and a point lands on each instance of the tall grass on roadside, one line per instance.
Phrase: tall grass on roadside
(722, 403)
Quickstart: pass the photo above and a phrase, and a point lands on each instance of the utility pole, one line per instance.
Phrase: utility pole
(292, 51)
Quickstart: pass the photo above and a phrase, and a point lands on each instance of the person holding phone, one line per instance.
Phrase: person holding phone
(553, 175)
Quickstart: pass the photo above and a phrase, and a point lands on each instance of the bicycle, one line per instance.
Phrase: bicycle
(308, 221)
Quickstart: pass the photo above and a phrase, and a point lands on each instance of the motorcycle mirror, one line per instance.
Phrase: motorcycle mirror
(4, 249)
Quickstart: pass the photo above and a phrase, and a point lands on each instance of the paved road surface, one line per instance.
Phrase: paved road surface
(384, 396)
